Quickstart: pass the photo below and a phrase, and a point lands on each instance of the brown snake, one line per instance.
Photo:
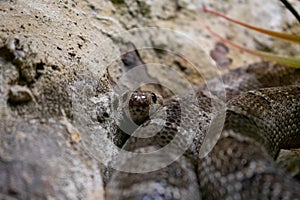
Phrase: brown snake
(262, 117)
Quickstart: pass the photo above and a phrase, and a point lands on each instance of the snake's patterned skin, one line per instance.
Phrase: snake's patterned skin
(241, 165)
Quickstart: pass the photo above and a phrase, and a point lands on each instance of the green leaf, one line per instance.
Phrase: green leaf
(289, 37)
(288, 61)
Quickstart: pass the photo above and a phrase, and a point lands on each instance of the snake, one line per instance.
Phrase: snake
(262, 116)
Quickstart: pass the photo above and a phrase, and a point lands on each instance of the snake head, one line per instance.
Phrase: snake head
(142, 104)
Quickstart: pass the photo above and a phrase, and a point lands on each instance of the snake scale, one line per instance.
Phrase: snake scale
(262, 116)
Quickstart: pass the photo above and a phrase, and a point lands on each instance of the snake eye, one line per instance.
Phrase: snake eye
(154, 97)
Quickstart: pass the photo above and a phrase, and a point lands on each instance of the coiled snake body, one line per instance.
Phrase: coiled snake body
(262, 116)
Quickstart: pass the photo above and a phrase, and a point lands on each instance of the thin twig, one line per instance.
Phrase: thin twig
(291, 9)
